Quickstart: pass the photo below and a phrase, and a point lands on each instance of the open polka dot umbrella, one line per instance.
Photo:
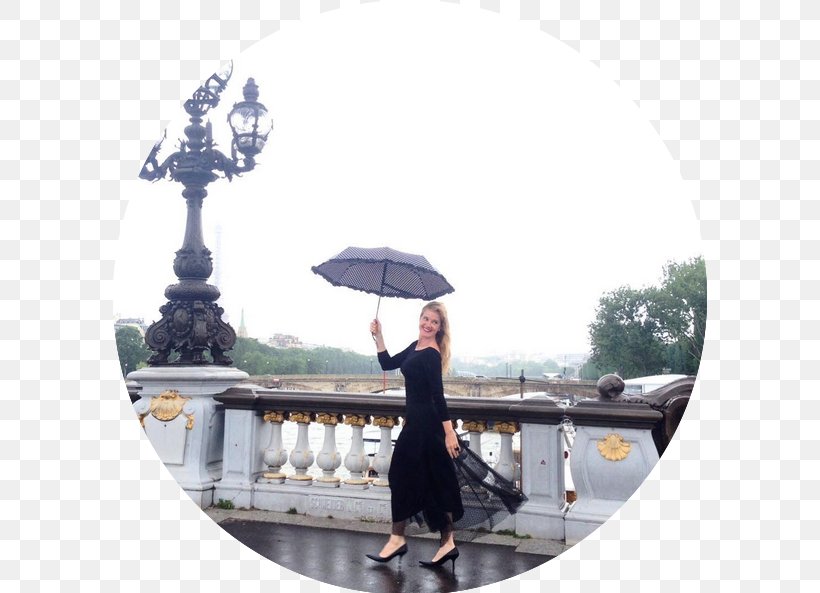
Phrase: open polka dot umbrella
(385, 272)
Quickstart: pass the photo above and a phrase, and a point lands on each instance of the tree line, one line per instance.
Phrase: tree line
(636, 332)
(255, 358)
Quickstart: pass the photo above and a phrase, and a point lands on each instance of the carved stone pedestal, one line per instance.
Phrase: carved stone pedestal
(608, 464)
(182, 421)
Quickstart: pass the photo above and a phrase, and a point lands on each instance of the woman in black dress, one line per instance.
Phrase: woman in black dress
(422, 476)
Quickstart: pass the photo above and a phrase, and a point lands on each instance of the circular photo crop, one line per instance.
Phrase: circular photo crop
(410, 297)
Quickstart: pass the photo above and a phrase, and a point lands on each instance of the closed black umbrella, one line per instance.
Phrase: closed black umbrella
(385, 272)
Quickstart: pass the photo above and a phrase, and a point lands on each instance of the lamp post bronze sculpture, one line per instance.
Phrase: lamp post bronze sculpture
(191, 319)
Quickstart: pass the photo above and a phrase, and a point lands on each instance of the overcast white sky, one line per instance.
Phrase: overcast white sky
(513, 165)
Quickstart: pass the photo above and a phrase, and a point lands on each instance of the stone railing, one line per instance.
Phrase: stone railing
(612, 454)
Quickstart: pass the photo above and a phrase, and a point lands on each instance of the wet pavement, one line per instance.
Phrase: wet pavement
(333, 551)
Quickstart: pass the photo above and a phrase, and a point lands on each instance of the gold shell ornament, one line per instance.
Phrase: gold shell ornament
(167, 406)
(613, 447)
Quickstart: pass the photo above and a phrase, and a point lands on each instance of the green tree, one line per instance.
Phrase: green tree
(623, 336)
(679, 307)
(678, 361)
(590, 371)
(259, 359)
(131, 349)
(643, 332)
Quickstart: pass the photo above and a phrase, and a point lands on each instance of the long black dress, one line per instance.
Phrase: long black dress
(422, 476)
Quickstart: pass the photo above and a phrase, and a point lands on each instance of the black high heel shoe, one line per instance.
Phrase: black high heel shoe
(400, 552)
(451, 555)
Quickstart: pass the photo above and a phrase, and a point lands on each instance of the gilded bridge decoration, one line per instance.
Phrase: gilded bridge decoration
(474, 426)
(506, 427)
(356, 420)
(385, 421)
(302, 417)
(613, 447)
(272, 416)
(328, 419)
(166, 407)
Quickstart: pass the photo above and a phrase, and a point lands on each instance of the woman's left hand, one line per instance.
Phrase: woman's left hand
(452, 443)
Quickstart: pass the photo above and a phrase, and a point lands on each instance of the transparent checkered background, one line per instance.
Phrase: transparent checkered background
(732, 88)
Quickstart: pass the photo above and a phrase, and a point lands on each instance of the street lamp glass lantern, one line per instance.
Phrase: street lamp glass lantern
(250, 122)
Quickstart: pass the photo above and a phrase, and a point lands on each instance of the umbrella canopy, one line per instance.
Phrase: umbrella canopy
(385, 272)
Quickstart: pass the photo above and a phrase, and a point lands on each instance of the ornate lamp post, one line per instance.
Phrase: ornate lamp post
(191, 320)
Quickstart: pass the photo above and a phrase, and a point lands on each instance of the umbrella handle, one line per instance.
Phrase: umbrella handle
(377, 315)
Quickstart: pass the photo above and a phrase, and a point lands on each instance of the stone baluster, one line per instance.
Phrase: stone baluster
(476, 428)
(506, 465)
(356, 461)
(329, 458)
(301, 458)
(381, 462)
(275, 455)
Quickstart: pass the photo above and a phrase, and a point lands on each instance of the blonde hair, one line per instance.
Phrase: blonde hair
(443, 335)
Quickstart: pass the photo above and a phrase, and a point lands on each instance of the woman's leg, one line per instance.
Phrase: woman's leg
(398, 528)
(397, 539)
(446, 530)
(446, 540)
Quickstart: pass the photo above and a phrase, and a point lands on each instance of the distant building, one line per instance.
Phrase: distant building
(137, 322)
(466, 374)
(243, 331)
(571, 359)
(285, 341)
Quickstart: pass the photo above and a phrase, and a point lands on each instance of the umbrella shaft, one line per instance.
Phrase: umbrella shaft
(377, 315)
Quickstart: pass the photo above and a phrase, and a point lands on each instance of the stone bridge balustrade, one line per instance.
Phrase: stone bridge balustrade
(612, 454)
(538, 421)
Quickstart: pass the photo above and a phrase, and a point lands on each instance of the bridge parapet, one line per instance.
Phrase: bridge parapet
(610, 456)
